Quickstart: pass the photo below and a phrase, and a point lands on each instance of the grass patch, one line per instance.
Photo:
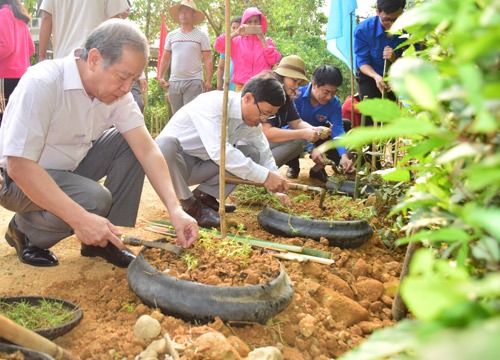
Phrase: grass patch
(46, 314)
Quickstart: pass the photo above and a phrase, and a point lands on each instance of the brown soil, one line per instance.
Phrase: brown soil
(333, 308)
(207, 265)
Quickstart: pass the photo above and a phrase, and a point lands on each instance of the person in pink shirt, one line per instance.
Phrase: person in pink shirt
(251, 51)
(16, 48)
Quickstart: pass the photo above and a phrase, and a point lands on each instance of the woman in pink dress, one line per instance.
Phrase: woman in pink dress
(251, 51)
(16, 48)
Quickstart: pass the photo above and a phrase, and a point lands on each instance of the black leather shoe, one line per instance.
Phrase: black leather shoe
(292, 172)
(110, 253)
(205, 217)
(212, 202)
(320, 175)
(26, 251)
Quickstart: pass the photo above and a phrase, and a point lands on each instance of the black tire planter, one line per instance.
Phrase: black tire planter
(28, 353)
(56, 331)
(343, 234)
(202, 303)
(347, 187)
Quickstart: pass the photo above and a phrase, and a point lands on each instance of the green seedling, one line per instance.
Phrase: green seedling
(46, 314)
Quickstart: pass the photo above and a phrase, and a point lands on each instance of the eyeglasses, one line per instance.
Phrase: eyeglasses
(263, 116)
(388, 20)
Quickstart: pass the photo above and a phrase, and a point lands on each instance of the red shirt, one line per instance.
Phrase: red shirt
(346, 111)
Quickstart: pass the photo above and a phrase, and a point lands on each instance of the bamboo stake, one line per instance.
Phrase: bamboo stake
(302, 258)
(222, 165)
(24, 337)
(358, 162)
(351, 53)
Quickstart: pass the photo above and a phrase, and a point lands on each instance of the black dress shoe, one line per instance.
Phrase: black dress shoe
(205, 217)
(320, 175)
(110, 253)
(26, 251)
(292, 172)
(212, 202)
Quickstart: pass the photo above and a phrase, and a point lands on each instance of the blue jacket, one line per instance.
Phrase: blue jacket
(370, 39)
(322, 115)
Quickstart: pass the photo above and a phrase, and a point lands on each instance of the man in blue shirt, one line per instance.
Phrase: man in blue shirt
(372, 46)
(318, 105)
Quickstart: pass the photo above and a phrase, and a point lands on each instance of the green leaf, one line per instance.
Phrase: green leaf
(394, 174)
(416, 79)
(485, 123)
(462, 150)
(487, 218)
(444, 234)
(381, 110)
(432, 286)
(485, 173)
(429, 13)
(479, 341)
(402, 338)
(403, 127)
(472, 82)
(487, 249)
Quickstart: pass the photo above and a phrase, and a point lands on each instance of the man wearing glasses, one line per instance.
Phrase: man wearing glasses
(191, 140)
(373, 45)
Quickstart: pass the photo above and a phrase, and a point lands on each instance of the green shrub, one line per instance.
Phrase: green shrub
(452, 91)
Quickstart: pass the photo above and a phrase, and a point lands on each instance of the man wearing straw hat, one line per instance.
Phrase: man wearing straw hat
(184, 48)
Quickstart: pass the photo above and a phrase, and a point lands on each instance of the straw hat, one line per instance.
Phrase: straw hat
(294, 67)
(198, 15)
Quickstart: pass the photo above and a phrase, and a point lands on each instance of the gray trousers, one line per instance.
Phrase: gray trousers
(187, 170)
(285, 151)
(117, 199)
(182, 92)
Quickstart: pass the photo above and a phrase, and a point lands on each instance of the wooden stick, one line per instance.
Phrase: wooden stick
(24, 337)
(293, 186)
(399, 309)
(301, 258)
(222, 164)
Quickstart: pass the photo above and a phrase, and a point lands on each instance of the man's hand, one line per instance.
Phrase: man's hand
(317, 157)
(311, 134)
(381, 85)
(276, 183)
(143, 85)
(389, 54)
(185, 227)
(95, 230)
(283, 199)
(164, 84)
(323, 132)
(207, 86)
(346, 163)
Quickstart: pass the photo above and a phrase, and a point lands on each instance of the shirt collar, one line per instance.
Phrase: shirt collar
(307, 90)
(72, 79)
(379, 30)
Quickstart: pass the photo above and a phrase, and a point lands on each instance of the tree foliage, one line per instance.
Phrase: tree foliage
(452, 90)
(295, 27)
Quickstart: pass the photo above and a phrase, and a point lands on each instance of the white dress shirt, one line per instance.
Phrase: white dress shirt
(197, 125)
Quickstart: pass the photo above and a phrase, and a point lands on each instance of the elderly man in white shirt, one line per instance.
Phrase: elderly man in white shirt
(70, 123)
(191, 145)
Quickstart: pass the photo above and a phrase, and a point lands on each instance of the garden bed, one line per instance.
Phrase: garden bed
(333, 308)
